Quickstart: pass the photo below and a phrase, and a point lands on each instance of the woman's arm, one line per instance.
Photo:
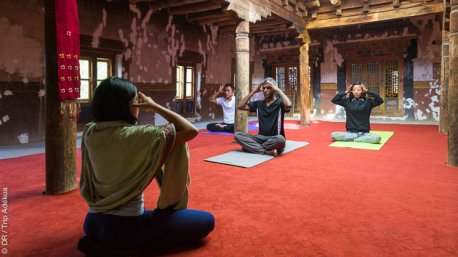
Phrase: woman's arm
(185, 130)
(375, 98)
(339, 99)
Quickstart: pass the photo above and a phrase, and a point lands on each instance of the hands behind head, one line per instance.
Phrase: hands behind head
(144, 101)
(263, 85)
(349, 88)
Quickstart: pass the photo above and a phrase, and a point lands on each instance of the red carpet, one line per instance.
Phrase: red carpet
(314, 201)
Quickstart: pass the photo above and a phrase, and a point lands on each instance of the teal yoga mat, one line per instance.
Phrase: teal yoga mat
(385, 135)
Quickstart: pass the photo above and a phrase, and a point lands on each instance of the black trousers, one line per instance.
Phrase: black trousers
(214, 128)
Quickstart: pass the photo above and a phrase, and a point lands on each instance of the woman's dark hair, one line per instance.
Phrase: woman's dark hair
(354, 84)
(112, 100)
(351, 89)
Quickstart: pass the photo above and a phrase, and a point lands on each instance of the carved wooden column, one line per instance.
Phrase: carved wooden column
(304, 79)
(60, 128)
(445, 73)
(453, 86)
(242, 72)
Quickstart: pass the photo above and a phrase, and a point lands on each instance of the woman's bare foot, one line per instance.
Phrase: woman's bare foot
(274, 152)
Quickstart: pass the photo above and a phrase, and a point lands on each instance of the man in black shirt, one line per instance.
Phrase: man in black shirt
(271, 137)
(358, 103)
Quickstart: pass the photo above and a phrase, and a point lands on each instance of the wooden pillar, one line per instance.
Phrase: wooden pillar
(453, 87)
(304, 79)
(60, 128)
(445, 73)
(242, 72)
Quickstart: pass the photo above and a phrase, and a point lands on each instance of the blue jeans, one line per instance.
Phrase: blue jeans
(364, 137)
(152, 229)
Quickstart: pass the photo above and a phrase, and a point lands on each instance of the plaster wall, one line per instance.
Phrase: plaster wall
(21, 71)
(153, 43)
(426, 85)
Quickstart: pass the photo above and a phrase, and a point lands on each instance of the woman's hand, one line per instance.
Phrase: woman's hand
(144, 101)
(348, 90)
(185, 130)
(364, 88)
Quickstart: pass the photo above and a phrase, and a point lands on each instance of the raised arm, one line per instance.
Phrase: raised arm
(216, 94)
(339, 98)
(286, 102)
(185, 130)
(375, 98)
(243, 104)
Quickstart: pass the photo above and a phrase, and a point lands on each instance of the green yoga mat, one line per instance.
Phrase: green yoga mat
(385, 135)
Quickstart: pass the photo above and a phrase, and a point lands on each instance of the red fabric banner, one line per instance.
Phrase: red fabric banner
(68, 49)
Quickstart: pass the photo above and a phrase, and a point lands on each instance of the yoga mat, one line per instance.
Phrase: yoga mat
(385, 135)
(246, 160)
(251, 126)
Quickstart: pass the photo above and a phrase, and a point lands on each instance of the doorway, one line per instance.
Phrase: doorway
(287, 77)
(382, 76)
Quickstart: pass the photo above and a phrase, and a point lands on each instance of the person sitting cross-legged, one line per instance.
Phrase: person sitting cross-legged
(358, 103)
(271, 111)
(120, 159)
(227, 102)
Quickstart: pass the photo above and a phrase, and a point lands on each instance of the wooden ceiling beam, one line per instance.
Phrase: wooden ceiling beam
(275, 32)
(373, 9)
(217, 19)
(160, 4)
(196, 8)
(273, 26)
(353, 5)
(282, 27)
(228, 27)
(268, 6)
(265, 23)
(209, 16)
(225, 23)
(298, 5)
(397, 13)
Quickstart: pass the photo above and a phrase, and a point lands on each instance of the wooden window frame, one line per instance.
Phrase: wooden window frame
(93, 59)
(364, 61)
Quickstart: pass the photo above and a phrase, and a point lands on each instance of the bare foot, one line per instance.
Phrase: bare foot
(274, 152)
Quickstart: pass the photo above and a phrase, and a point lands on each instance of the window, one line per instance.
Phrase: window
(93, 67)
(85, 71)
(180, 82)
(185, 87)
(189, 78)
(185, 82)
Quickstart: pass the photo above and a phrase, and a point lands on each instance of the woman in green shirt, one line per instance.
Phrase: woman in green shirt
(121, 158)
